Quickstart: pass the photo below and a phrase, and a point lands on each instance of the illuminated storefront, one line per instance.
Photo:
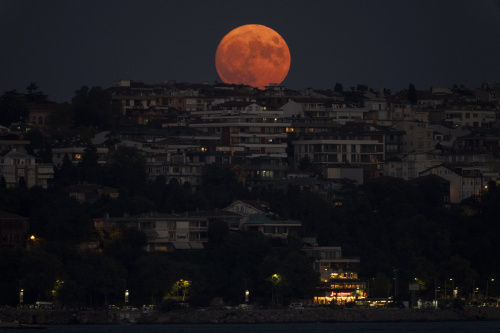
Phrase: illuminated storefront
(340, 292)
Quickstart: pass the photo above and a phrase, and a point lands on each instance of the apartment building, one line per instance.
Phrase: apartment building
(470, 117)
(250, 128)
(164, 232)
(356, 144)
(75, 149)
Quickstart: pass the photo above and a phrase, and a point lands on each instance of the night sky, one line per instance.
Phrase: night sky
(64, 44)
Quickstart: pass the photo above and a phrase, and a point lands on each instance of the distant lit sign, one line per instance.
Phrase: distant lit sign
(340, 294)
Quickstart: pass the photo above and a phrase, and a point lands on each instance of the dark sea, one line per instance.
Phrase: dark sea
(455, 327)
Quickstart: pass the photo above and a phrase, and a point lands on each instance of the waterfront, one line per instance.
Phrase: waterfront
(254, 317)
(441, 327)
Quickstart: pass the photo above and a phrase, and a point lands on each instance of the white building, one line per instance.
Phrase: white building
(16, 165)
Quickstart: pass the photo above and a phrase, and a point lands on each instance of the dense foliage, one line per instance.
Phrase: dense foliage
(398, 229)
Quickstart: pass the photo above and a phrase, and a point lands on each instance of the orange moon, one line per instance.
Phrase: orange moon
(253, 55)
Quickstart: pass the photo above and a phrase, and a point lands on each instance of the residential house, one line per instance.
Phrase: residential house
(270, 225)
(15, 165)
(13, 230)
(91, 192)
(247, 208)
(232, 220)
(39, 115)
(164, 232)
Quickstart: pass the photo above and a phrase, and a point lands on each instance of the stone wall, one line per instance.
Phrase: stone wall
(237, 316)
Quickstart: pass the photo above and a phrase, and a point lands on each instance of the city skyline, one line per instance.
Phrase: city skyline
(63, 45)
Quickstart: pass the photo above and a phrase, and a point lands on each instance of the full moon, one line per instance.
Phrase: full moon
(253, 55)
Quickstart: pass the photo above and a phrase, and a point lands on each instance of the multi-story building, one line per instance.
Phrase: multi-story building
(15, 165)
(246, 127)
(356, 144)
(339, 281)
(164, 232)
(470, 116)
(75, 150)
(323, 109)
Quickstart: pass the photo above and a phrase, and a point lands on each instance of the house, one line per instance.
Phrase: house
(16, 165)
(164, 232)
(13, 230)
(91, 192)
(270, 225)
(231, 219)
(247, 208)
(39, 115)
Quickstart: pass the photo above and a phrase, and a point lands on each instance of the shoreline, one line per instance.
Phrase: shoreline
(237, 316)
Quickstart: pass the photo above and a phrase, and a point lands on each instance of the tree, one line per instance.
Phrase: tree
(40, 272)
(338, 88)
(13, 108)
(220, 185)
(412, 94)
(93, 107)
(34, 95)
(300, 278)
(21, 183)
(126, 168)
(89, 166)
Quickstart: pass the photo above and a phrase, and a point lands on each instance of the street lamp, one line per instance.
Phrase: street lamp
(247, 294)
(487, 281)
(126, 297)
(21, 297)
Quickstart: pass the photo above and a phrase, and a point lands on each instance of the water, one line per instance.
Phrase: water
(455, 327)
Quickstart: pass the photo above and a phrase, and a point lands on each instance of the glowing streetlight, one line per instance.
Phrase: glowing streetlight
(247, 295)
(126, 297)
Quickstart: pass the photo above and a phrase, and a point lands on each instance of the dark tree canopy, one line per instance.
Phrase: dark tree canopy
(93, 107)
(412, 94)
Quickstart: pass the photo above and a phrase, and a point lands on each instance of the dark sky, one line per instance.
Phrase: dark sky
(64, 44)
